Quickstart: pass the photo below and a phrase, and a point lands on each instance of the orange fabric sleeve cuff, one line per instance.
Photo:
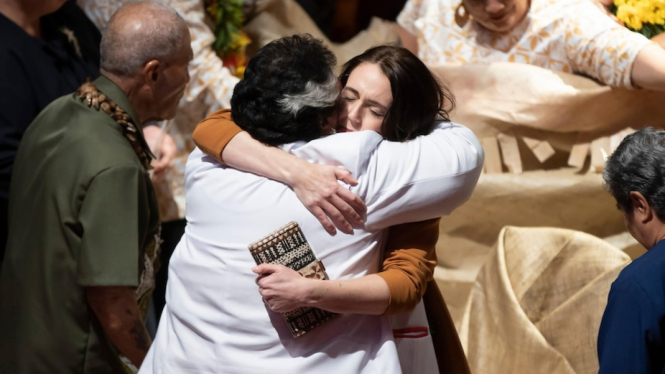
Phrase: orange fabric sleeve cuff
(410, 259)
(215, 132)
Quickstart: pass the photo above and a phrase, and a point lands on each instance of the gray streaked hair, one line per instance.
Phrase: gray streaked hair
(316, 95)
(637, 165)
(124, 50)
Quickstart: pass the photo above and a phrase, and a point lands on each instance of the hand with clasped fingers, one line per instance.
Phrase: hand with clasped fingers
(317, 187)
(283, 289)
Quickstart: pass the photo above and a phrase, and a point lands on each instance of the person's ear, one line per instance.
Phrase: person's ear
(641, 208)
(151, 72)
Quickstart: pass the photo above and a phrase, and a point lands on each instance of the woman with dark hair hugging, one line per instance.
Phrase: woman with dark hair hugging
(390, 91)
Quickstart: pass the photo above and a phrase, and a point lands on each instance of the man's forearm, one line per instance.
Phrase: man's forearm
(118, 313)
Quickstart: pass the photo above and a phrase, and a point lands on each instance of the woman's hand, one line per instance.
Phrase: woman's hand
(164, 148)
(282, 288)
(315, 185)
(333, 205)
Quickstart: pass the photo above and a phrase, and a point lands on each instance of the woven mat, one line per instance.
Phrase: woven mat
(538, 301)
(554, 198)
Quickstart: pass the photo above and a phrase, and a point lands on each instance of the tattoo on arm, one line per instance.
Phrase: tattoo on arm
(140, 335)
(117, 311)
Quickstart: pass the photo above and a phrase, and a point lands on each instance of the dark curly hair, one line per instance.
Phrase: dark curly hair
(288, 91)
(638, 164)
(418, 96)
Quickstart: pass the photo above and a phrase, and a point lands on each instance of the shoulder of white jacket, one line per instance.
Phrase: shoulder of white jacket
(348, 150)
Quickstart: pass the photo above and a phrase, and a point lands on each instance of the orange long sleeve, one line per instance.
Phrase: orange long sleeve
(410, 259)
(215, 132)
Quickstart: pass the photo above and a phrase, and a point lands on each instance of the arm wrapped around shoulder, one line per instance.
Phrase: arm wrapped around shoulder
(424, 178)
(214, 133)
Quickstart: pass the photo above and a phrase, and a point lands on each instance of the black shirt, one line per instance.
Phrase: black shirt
(34, 72)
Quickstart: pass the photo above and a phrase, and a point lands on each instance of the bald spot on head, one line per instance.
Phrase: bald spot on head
(138, 33)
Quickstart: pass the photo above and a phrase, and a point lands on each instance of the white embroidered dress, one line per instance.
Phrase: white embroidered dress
(571, 36)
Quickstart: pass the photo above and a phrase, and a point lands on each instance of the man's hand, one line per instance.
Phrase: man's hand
(282, 288)
(333, 205)
(163, 147)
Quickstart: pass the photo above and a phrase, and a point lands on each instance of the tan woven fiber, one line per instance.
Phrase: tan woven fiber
(538, 301)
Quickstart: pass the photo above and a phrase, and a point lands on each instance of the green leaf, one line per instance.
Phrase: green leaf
(228, 21)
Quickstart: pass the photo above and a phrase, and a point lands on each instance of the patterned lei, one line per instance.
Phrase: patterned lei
(91, 96)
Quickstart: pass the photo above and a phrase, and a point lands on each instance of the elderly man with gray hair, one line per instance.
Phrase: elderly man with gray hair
(84, 231)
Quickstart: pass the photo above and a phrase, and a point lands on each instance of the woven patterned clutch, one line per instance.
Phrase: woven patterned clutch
(289, 247)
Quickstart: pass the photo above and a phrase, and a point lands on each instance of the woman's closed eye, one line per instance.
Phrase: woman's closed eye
(376, 113)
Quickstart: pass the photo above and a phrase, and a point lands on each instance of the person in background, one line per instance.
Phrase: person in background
(572, 36)
(47, 49)
(632, 332)
(84, 228)
(209, 90)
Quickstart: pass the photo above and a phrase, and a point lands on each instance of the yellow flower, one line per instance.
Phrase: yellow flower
(628, 15)
(239, 41)
(240, 71)
(635, 13)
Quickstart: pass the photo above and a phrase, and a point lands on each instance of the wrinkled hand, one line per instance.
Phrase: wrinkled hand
(333, 205)
(604, 5)
(282, 288)
(164, 151)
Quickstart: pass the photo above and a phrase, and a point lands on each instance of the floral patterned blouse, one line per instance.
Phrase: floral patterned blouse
(572, 36)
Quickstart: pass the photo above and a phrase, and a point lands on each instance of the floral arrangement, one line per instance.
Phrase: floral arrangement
(230, 40)
(644, 16)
